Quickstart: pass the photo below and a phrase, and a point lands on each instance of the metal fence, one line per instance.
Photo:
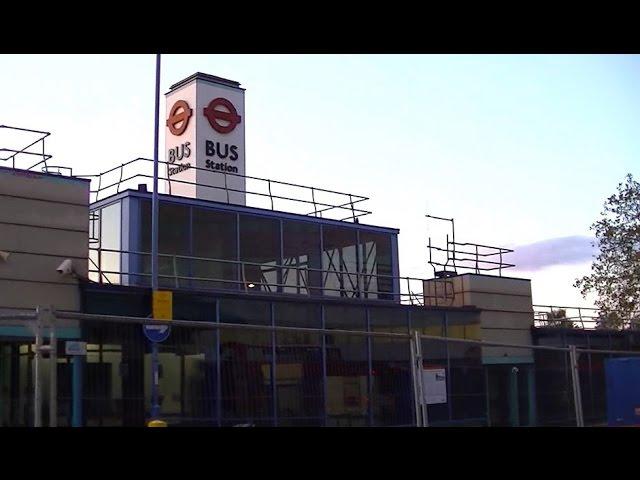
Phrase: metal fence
(232, 374)
(584, 318)
(260, 192)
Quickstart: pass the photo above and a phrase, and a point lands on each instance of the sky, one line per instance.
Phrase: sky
(521, 150)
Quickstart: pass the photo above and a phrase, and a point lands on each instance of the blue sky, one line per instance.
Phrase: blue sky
(520, 149)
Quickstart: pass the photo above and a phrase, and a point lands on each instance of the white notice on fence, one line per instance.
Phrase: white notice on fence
(434, 385)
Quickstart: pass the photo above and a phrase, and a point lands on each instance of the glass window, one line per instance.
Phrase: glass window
(187, 386)
(339, 261)
(173, 241)
(391, 384)
(554, 391)
(466, 375)
(376, 265)
(111, 223)
(260, 249)
(299, 374)
(465, 326)
(214, 237)
(301, 253)
(347, 368)
(246, 364)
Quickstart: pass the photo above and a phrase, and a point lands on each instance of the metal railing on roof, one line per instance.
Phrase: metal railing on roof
(464, 257)
(587, 318)
(27, 152)
(23, 157)
(311, 201)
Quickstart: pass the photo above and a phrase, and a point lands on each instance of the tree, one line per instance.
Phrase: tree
(558, 319)
(615, 271)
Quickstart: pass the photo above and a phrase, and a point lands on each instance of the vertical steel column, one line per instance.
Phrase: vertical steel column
(325, 389)
(414, 376)
(239, 265)
(155, 380)
(531, 383)
(575, 377)
(190, 282)
(279, 272)
(487, 394)
(274, 389)
(514, 405)
(370, 368)
(154, 198)
(321, 285)
(218, 368)
(37, 365)
(358, 264)
(449, 374)
(53, 369)
(78, 364)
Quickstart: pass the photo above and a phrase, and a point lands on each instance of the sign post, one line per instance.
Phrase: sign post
(162, 303)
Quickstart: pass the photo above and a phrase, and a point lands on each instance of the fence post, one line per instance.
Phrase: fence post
(422, 418)
(53, 372)
(575, 377)
(37, 366)
(414, 377)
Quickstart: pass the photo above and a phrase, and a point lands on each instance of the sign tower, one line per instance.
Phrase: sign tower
(204, 140)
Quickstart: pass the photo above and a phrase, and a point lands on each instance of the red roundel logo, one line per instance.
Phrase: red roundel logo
(179, 117)
(222, 115)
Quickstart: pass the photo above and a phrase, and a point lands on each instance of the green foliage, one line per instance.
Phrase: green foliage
(615, 272)
(557, 318)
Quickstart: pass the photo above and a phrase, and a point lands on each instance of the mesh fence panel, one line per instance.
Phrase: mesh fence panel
(250, 371)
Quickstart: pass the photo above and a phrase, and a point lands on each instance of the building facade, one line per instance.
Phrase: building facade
(298, 313)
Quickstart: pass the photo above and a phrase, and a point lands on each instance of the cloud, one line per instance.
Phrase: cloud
(553, 251)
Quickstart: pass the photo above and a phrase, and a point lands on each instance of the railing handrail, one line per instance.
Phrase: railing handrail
(23, 151)
(348, 203)
(138, 159)
(360, 212)
(587, 318)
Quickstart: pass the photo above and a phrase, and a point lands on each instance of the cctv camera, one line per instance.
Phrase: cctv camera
(4, 255)
(66, 268)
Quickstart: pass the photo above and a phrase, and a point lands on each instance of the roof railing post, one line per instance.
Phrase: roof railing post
(313, 199)
(353, 211)
(477, 267)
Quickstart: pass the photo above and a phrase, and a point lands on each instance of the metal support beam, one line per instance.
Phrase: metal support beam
(422, 417)
(154, 198)
(37, 366)
(155, 382)
(575, 377)
(514, 400)
(53, 374)
(78, 366)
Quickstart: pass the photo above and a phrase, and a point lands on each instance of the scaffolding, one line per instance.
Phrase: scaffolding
(464, 257)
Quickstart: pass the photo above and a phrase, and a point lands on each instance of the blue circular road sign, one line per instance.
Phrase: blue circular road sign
(156, 333)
